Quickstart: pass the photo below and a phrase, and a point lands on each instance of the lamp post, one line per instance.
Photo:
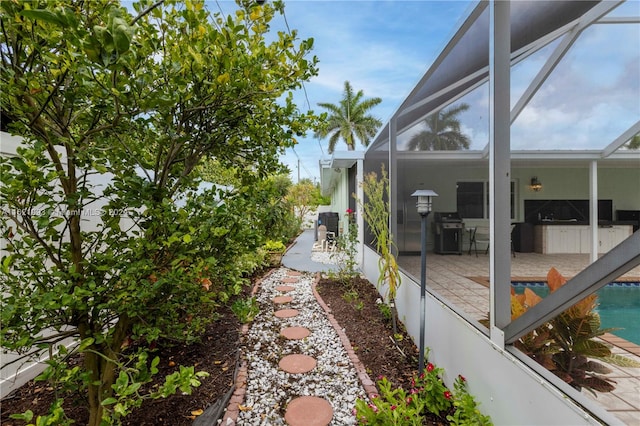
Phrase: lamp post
(423, 205)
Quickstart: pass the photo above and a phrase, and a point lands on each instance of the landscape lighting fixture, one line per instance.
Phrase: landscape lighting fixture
(424, 205)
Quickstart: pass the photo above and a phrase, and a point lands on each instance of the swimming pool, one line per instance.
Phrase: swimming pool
(618, 306)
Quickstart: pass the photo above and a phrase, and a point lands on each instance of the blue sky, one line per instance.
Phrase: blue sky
(381, 47)
(384, 47)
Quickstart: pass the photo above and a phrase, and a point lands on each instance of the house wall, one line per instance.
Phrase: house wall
(340, 197)
(618, 184)
(622, 185)
(507, 390)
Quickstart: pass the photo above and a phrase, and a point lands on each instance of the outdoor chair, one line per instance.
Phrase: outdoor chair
(481, 235)
(331, 242)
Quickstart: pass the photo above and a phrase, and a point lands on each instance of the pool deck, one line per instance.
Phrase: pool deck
(461, 279)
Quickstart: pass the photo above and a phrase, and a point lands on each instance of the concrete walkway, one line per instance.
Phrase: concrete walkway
(298, 257)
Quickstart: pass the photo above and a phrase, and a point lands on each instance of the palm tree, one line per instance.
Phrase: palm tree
(349, 120)
(442, 132)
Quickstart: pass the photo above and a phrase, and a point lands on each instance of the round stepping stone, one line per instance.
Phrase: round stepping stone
(286, 313)
(297, 364)
(289, 280)
(279, 300)
(308, 411)
(295, 333)
(285, 288)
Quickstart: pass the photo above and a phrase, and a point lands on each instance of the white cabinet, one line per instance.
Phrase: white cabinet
(611, 237)
(560, 239)
(549, 239)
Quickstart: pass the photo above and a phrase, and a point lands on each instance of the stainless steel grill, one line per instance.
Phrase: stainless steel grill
(448, 230)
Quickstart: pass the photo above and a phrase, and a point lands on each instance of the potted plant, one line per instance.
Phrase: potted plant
(275, 250)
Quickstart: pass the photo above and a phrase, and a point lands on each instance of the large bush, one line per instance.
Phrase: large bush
(117, 111)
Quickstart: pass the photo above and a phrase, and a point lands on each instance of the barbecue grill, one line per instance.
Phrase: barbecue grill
(448, 230)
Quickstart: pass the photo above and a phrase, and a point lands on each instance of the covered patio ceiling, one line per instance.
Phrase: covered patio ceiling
(463, 66)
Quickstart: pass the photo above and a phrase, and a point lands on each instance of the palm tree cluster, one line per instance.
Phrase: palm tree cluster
(442, 133)
(349, 120)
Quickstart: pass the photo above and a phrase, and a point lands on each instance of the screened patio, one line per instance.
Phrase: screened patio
(544, 90)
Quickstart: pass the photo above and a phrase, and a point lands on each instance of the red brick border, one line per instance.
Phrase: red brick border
(233, 407)
(367, 383)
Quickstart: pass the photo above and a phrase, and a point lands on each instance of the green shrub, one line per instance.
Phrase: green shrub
(245, 309)
(274, 246)
(426, 402)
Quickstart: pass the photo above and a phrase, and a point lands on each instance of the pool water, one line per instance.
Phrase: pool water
(618, 306)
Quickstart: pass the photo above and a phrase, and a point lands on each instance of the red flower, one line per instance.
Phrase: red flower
(462, 378)
(409, 400)
(430, 367)
(349, 211)
(393, 407)
(447, 394)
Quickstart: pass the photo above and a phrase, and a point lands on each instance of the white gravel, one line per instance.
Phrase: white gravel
(269, 389)
(327, 257)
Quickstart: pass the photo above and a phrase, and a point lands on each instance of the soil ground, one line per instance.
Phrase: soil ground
(354, 307)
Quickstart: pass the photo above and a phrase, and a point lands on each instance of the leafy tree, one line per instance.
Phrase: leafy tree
(117, 112)
(349, 120)
(442, 133)
(304, 196)
(634, 143)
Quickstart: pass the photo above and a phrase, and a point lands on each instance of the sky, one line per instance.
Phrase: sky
(381, 47)
(384, 47)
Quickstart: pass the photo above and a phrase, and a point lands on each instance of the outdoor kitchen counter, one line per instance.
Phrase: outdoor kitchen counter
(575, 237)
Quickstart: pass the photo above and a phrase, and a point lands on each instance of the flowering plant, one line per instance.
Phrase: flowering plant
(427, 399)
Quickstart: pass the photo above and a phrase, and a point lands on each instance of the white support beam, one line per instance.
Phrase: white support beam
(360, 213)
(619, 20)
(499, 168)
(393, 182)
(593, 210)
(545, 71)
(621, 140)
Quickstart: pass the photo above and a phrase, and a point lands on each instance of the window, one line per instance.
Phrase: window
(470, 197)
(473, 199)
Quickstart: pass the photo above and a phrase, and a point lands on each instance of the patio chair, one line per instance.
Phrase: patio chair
(332, 242)
(481, 235)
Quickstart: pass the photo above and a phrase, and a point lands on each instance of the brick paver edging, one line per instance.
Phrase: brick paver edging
(367, 383)
(233, 408)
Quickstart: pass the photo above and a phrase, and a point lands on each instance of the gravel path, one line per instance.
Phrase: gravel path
(327, 257)
(269, 390)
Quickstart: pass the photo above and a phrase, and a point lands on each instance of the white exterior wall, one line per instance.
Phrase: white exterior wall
(17, 374)
(340, 198)
(507, 390)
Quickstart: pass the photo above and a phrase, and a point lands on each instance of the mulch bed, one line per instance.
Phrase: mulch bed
(368, 330)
